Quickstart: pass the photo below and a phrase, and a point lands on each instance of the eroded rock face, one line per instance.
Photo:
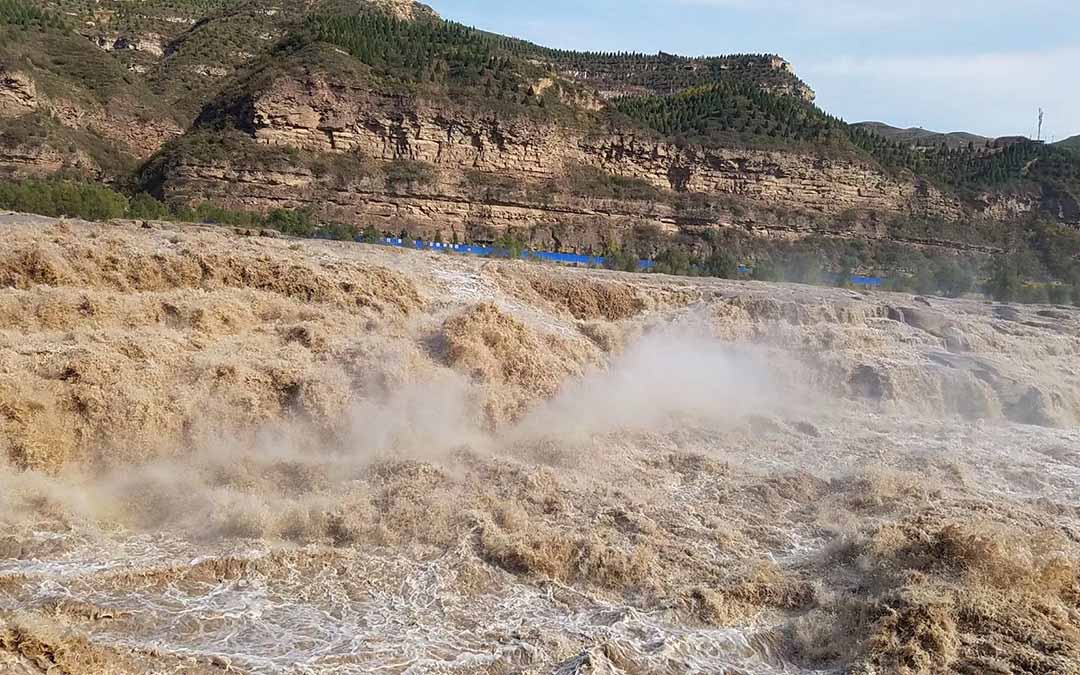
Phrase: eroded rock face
(150, 43)
(27, 160)
(18, 95)
(320, 115)
(316, 114)
(135, 133)
(140, 135)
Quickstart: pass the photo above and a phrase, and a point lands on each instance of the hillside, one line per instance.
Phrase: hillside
(923, 138)
(1071, 144)
(383, 115)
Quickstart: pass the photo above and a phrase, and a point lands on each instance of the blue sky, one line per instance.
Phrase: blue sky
(948, 65)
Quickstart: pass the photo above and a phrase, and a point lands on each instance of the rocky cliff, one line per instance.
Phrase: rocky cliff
(321, 115)
(490, 172)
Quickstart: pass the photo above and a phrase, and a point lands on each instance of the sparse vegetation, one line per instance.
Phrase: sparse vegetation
(589, 181)
(976, 166)
(427, 51)
(491, 187)
(952, 278)
(408, 174)
(623, 259)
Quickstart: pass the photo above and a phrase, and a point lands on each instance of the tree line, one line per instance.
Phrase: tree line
(732, 106)
(443, 52)
(706, 113)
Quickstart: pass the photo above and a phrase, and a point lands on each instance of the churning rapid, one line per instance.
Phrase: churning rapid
(224, 452)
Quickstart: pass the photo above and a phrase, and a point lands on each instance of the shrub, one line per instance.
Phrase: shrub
(145, 206)
(25, 14)
(1004, 284)
(951, 279)
(592, 182)
(408, 173)
(298, 223)
(371, 235)
(213, 214)
(765, 270)
(339, 232)
(96, 202)
(63, 198)
(340, 168)
(623, 259)
(1060, 294)
(721, 264)
(509, 245)
(673, 261)
(490, 186)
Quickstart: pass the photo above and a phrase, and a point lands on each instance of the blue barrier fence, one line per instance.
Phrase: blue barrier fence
(564, 258)
(489, 251)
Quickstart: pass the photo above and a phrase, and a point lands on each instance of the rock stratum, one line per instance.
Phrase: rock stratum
(490, 174)
(230, 450)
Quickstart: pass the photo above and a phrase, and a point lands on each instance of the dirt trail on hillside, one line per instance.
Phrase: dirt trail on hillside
(220, 451)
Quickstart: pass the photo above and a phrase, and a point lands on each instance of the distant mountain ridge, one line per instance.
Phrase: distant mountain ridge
(919, 137)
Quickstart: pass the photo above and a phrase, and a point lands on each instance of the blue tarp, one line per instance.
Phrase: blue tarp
(564, 258)
(487, 251)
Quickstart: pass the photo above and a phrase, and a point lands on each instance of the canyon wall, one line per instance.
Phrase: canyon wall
(315, 114)
(491, 175)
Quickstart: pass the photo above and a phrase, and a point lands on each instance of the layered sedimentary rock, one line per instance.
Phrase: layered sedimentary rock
(316, 114)
(520, 156)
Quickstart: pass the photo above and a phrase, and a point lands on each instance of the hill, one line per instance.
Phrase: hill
(1071, 144)
(923, 138)
(384, 115)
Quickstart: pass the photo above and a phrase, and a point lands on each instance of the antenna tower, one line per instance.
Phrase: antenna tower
(1039, 137)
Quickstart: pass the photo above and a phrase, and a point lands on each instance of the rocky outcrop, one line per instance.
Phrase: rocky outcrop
(121, 125)
(1007, 207)
(404, 9)
(141, 135)
(26, 160)
(148, 43)
(771, 192)
(451, 207)
(316, 114)
(18, 94)
(445, 209)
